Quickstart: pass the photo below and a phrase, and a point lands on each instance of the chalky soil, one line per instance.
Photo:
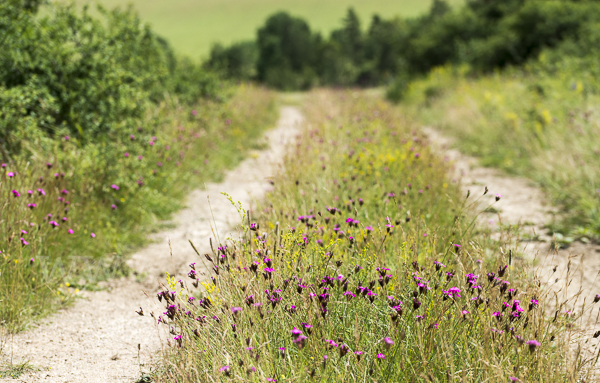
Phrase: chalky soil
(101, 339)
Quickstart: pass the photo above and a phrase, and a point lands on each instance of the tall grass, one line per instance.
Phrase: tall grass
(70, 214)
(540, 122)
(363, 265)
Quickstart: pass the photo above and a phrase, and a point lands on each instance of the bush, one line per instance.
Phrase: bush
(69, 72)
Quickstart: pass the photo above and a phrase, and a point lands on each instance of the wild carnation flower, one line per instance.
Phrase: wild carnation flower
(92, 235)
(24, 242)
(16, 193)
(31, 205)
(236, 310)
(388, 342)
(126, 155)
(533, 344)
(380, 356)
(498, 196)
(10, 174)
(53, 223)
(113, 206)
(114, 187)
(71, 231)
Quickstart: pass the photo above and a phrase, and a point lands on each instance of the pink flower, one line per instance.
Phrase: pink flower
(67, 138)
(24, 242)
(113, 206)
(131, 137)
(71, 231)
(10, 174)
(126, 154)
(151, 143)
(380, 356)
(65, 191)
(30, 192)
(114, 187)
(92, 235)
(53, 223)
(16, 193)
(194, 112)
(140, 157)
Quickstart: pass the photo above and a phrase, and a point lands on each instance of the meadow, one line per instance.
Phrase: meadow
(364, 262)
(363, 265)
(193, 26)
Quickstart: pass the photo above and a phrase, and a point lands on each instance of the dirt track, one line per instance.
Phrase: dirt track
(96, 341)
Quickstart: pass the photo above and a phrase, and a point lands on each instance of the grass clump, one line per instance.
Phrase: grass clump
(362, 265)
(70, 214)
(539, 122)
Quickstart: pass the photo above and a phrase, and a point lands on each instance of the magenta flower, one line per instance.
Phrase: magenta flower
(10, 174)
(31, 205)
(56, 175)
(159, 164)
(24, 242)
(533, 344)
(380, 356)
(67, 138)
(41, 192)
(114, 187)
(64, 191)
(113, 206)
(151, 143)
(498, 196)
(16, 193)
(71, 231)
(23, 232)
(140, 158)
(30, 192)
(53, 223)
(388, 342)
(194, 112)
(92, 235)
(126, 155)
(131, 137)
(31, 261)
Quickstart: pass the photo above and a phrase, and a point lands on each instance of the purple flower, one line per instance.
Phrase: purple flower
(16, 193)
(113, 206)
(92, 235)
(24, 242)
(114, 187)
(236, 310)
(300, 341)
(131, 137)
(151, 143)
(140, 158)
(53, 223)
(388, 342)
(533, 344)
(41, 192)
(31, 205)
(10, 174)
(71, 231)
(67, 138)
(380, 356)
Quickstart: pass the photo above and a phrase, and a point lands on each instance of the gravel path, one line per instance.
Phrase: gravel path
(97, 340)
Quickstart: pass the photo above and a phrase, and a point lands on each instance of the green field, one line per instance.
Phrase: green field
(192, 26)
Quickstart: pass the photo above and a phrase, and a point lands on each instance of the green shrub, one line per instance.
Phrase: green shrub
(69, 72)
